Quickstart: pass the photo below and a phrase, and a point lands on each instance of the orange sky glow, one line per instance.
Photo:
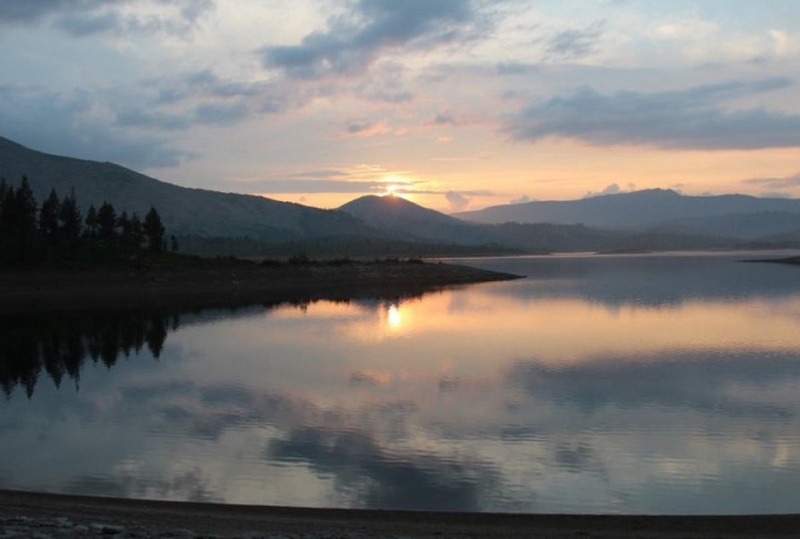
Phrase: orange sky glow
(453, 104)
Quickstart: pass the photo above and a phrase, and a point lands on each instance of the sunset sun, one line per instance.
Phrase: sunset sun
(395, 186)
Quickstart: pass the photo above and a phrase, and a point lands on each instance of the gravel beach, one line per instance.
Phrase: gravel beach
(25, 514)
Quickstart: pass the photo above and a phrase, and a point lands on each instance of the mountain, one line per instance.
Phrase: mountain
(214, 223)
(411, 221)
(184, 211)
(649, 208)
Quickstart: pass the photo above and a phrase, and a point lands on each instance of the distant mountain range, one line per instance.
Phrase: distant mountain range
(656, 209)
(211, 222)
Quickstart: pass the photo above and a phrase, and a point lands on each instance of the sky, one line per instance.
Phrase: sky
(454, 104)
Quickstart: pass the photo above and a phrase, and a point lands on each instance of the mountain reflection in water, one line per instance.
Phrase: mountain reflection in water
(598, 385)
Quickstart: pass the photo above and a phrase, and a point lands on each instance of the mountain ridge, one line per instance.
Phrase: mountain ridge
(412, 221)
(184, 210)
(213, 222)
(645, 208)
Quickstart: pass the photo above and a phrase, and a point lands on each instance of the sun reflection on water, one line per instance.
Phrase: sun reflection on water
(394, 317)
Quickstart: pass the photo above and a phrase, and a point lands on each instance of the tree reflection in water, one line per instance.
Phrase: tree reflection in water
(61, 344)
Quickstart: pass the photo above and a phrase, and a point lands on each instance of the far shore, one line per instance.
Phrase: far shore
(226, 283)
(143, 518)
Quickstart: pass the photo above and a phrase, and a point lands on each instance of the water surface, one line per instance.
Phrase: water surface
(627, 384)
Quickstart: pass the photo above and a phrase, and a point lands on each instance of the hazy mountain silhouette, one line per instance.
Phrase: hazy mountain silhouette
(184, 211)
(211, 222)
(412, 221)
(657, 208)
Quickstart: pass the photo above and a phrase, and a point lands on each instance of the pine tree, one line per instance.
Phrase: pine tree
(25, 209)
(48, 217)
(70, 219)
(137, 232)
(107, 222)
(154, 230)
(20, 216)
(6, 195)
(126, 236)
(91, 222)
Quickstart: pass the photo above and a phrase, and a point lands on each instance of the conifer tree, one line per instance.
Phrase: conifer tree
(25, 209)
(154, 230)
(48, 217)
(70, 219)
(107, 222)
(91, 222)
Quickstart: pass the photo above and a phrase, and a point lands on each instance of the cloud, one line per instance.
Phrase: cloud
(517, 68)
(574, 44)
(359, 463)
(445, 118)
(351, 43)
(132, 124)
(28, 12)
(316, 186)
(610, 189)
(685, 119)
(521, 200)
(87, 17)
(697, 380)
(77, 126)
(776, 183)
(458, 201)
(365, 128)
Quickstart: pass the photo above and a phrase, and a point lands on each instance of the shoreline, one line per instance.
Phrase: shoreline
(147, 518)
(226, 283)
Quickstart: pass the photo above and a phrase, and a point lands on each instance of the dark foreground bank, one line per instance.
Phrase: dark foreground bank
(221, 283)
(79, 516)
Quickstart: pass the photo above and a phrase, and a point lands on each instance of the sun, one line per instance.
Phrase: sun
(394, 186)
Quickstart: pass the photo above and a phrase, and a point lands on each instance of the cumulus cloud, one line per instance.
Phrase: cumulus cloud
(351, 43)
(521, 200)
(687, 119)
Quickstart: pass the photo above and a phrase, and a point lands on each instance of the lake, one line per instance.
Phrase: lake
(655, 384)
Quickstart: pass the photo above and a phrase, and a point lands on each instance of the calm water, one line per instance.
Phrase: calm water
(637, 384)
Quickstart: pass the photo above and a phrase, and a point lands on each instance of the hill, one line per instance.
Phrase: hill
(214, 223)
(655, 208)
(411, 221)
(184, 211)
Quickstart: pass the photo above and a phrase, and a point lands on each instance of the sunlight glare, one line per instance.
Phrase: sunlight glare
(395, 185)
(394, 317)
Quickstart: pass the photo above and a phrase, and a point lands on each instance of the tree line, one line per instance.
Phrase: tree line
(58, 231)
